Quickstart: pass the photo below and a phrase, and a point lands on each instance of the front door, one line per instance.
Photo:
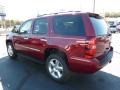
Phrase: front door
(21, 39)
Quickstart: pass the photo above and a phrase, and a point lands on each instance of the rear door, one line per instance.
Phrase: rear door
(103, 38)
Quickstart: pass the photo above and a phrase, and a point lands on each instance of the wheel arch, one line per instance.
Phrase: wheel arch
(58, 51)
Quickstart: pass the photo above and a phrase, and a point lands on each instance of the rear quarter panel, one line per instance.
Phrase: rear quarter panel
(73, 46)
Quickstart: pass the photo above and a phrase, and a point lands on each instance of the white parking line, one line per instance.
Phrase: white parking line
(1, 87)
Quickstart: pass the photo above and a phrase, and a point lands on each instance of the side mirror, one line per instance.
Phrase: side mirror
(15, 30)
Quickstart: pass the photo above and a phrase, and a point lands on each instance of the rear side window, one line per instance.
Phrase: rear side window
(69, 25)
(100, 26)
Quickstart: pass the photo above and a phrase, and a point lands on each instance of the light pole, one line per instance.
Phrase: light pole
(94, 6)
(2, 15)
(3, 20)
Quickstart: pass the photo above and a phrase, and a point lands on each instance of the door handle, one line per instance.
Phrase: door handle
(26, 38)
(43, 39)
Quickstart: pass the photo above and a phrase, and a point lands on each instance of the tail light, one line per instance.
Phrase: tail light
(90, 48)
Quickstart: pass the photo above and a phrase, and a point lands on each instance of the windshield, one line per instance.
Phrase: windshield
(99, 25)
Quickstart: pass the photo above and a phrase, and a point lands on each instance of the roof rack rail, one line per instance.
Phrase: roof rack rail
(56, 13)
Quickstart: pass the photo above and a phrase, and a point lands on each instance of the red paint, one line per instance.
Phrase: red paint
(81, 52)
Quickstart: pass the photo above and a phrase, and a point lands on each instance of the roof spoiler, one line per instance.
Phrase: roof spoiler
(95, 15)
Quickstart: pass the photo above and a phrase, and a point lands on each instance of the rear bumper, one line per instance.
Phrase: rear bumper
(90, 65)
(106, 58)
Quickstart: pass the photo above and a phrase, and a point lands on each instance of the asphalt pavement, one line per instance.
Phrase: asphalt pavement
(23, 74)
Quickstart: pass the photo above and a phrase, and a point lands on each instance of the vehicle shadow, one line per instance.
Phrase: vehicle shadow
(22, 74)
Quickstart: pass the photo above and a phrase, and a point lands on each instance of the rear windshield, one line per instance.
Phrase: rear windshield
(69, 25)
(100, 26)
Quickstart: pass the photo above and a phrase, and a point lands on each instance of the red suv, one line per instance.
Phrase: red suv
(69, 41)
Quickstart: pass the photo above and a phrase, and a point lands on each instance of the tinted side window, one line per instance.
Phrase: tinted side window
(40, 26)
(26, 27)
(69, 25)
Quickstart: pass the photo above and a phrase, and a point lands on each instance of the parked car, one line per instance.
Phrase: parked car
(118, 27)
(65, 42)
(112, 26)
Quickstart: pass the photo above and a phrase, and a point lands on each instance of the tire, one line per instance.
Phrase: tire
(57, 68)
(11, 51)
